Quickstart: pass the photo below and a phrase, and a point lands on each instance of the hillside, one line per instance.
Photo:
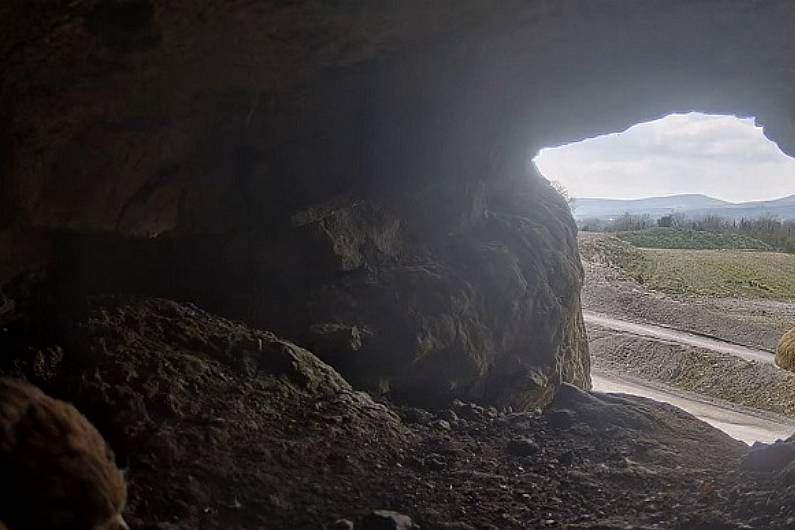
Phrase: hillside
(706, 273)
(783, 208)
(692, 205)
(676, 238)
(594, 207)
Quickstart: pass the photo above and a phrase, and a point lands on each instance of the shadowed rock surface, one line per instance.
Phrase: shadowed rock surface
(263, 159)
(353, 177)
(225, 426)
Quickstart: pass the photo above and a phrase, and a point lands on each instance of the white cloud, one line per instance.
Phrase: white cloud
(722, 156)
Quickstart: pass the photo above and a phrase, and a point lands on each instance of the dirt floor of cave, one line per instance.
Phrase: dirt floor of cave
(228, 427)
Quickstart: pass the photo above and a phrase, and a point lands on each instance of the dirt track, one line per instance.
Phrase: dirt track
(754, 323)
(651, 336)
(682, 337)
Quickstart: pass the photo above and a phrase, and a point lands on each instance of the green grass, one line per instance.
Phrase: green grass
(677, 238)
(717, 273)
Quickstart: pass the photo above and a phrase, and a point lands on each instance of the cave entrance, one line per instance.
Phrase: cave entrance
(687, 235)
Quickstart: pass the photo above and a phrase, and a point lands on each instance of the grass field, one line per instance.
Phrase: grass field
(661, 237)
(719, 273)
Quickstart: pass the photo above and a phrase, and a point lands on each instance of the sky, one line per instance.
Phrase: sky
(725, 157)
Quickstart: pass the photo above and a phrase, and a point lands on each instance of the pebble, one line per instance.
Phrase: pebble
(416, 416)
(448, 415)
(386, 520)
(566, 458)
(561, 419)
(522, 447)
(442, 424)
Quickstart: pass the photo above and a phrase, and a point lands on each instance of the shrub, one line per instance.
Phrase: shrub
(785, 354)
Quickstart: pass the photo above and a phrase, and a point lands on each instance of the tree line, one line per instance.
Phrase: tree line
(777, 233)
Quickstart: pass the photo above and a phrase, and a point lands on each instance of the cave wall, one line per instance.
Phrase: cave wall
(353, 175)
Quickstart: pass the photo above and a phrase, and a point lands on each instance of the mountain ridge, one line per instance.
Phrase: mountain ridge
(692, 204)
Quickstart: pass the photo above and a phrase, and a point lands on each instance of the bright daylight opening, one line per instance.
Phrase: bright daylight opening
(687, 235)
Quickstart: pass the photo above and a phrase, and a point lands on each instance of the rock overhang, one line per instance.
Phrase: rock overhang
(208, 126)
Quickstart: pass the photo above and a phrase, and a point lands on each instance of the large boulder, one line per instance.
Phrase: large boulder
(491, 314)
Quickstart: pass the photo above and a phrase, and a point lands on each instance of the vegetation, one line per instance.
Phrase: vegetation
(720, 273)
(785, 354)
(759, 233)
(563, 191)
(679, 238)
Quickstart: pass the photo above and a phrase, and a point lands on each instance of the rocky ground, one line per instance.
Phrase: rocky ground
(223, 426)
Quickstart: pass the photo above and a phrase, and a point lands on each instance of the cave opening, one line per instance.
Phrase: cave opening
(687, 234)
(681, 153)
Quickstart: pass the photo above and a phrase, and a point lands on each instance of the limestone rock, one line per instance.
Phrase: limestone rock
(461, 322)
(386, 520)
(416, 416)
(522, 447)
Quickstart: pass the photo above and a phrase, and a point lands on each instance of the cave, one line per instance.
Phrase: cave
(350, 177)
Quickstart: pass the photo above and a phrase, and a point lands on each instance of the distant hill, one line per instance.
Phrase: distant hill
(692, 205)
(655, 206)
(678, 238)
(783, 208)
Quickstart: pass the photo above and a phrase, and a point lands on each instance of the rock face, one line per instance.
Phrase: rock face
(352, 176)
(489, 314)
(467, 317)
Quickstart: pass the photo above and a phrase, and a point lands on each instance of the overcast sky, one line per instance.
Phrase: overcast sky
(722, 156)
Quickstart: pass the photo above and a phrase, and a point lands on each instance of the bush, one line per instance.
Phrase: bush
(629, 222)
(677, 238)
(774, 233)
(785, 354)
(666, 221)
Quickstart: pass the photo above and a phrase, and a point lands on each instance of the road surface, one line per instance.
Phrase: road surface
(681, 337)
(743, 424)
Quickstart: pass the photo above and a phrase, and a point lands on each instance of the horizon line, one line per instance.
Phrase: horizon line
(684, 195)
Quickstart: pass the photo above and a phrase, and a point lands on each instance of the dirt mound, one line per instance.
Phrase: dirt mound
(211, 416)
(751, 384)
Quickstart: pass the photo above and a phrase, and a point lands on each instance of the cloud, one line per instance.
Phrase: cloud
(723, 156)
